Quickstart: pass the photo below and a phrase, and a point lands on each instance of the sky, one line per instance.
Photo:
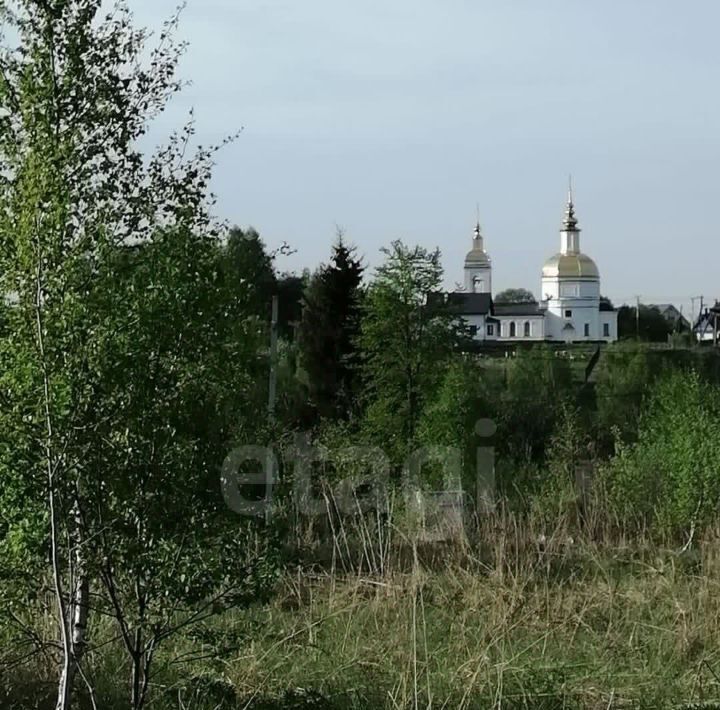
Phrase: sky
(393, 119)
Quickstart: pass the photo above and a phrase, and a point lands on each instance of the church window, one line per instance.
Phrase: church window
(606, 330)
(568, 313)
(513, 330)
(490, 329)
(526, 329)
(587, 330)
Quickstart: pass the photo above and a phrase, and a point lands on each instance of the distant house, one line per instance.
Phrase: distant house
(673, 315)
(707, 326)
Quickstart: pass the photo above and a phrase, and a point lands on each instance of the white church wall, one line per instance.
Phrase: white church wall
(535, 327)
(589, 289)
(556, 289)
(550, 289)
(477, 322)
(609, 319)
(573, 321)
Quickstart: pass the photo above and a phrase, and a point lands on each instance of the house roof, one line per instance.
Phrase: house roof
(470, 303)
(518, 309)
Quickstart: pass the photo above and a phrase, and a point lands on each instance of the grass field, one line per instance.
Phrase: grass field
(505, 624)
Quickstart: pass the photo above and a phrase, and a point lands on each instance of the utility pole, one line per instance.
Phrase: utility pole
(272, 393)
(637, 317)
(693, 335)
(692, 301)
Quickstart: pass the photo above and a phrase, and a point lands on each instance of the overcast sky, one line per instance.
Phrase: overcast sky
(393, 118)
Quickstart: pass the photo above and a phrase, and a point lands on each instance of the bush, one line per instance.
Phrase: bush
(670, 477)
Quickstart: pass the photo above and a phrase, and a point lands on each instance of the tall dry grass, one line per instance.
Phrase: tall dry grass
(512, 611)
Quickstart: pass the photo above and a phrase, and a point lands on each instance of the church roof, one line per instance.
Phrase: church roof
(470, 303)
(518, 309)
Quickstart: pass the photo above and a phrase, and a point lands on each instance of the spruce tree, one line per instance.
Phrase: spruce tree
(329, 328)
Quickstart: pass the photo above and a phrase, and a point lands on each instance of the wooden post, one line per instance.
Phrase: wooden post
(272, 390)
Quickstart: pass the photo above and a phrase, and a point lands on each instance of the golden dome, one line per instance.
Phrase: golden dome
(570, 266)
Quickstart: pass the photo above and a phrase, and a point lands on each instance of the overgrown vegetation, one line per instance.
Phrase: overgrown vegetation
(474, 531)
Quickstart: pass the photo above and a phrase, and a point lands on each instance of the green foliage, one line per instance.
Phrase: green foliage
(514, 295)
(328, 331)
(167, 379)
(405, 341)
(650, 325)
(248, 268)
(568, 456)
(126, 353)
(538, 380)
(669, 478)
(466, 395)
(622, 379)
(290, 291)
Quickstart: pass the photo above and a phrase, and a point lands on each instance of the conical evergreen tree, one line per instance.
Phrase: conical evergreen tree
(328, 329)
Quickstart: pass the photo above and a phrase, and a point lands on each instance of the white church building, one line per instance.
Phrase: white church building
(571, 310)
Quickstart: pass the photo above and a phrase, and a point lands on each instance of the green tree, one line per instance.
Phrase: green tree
(467, 394)
(623, 378)
(290, 291)
(329, 328)
(406, 337)
(514, 295)
(651, 326)
(170, 395)
(248, 266)
(108, 360)
(538, 382)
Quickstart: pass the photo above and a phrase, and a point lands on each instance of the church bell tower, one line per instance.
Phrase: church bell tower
(478, 269)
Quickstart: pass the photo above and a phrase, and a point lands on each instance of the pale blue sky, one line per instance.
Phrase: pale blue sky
(394, 118)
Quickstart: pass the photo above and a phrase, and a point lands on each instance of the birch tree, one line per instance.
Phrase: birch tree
(78, 90)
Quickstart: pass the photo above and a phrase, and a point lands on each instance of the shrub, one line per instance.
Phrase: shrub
(670, 477)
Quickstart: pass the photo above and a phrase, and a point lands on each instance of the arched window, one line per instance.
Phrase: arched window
(526, 329)
(513, 330)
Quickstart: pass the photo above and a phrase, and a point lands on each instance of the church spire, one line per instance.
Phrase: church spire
(570, 223)
(477, 232)
(570, 232)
